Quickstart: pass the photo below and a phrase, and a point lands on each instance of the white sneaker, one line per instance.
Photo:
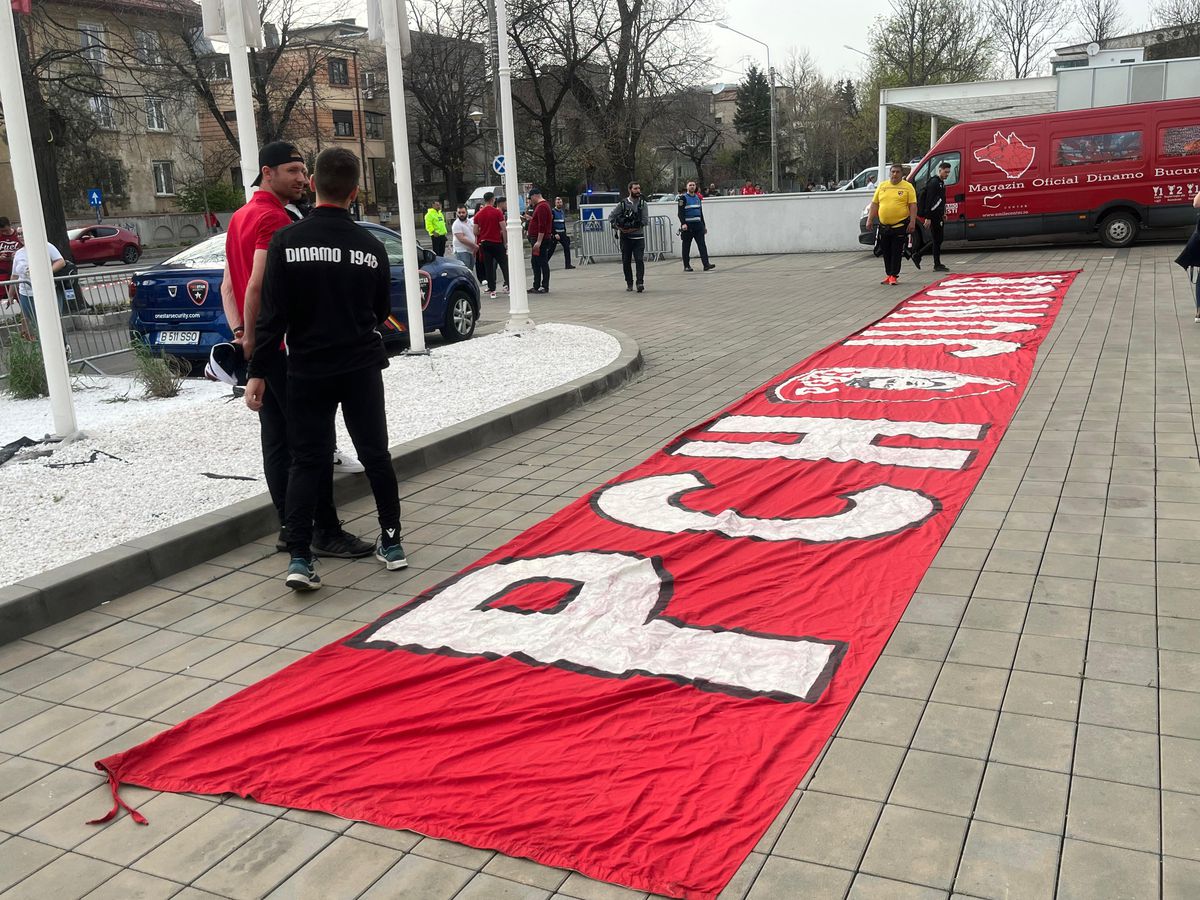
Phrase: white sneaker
(504, 289)
(491, 295)
(344, 462)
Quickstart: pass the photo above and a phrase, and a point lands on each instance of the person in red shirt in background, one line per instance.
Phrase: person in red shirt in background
(282, 179)
(489, 228)
(748, 189)
(10, 243)
(541, 236)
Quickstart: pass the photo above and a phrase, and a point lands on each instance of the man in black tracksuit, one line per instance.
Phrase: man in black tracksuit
(327, 289)
(931, 206)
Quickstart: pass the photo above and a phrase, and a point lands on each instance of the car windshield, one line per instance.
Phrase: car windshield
(209, 254)
(74, 233)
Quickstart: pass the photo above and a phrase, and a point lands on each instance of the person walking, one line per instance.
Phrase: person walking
(282, 179)
(435, 227)
(629, 219)
(894, 207)
(561, 236)
(465, 245)
(1189, 259)
(541, 239)
(327, 289)
(931, 206)
(692, 227)
(490, 232)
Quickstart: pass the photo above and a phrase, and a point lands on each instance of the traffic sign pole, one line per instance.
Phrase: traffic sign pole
(29, 205)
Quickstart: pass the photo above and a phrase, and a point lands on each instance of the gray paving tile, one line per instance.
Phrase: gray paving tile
(920, 641)
(871, 887)
(1123, 663)
(983, 648)
(1119, 705)
(1089, 871)
(1050, 655)
(1033, 799)
(1034, 742)
(418, 878)
(966, 685)
(130, 885)
(999, 861)
(937, 782)
(525, 871)
(44, 797)
(958, 730)
(201, 844)
(68, 827)
(70, 877)
(1049, 696)
(1180, 879)
(583, 888)
(1117, 754)
(1090, 814)
(857, 769)
(388, 837)
(899, 676)
(1180, 712)
(449, 851)
(916, 846)
(781, 877)
(1181, 765)
(343, 869)
(827, 829)
(20, 858)
(882, 719)
(489, 887)
(169, 814)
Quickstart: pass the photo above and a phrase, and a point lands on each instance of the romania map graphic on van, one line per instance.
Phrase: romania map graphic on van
(1010, 154)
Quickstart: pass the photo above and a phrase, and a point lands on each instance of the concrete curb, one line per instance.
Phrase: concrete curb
(57, 594)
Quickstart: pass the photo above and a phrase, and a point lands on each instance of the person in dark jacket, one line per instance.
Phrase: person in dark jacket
(629, 219)
(692, 227)
(931, 206)
(326, 289)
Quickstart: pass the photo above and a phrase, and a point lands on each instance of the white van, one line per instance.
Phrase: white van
(476, 199)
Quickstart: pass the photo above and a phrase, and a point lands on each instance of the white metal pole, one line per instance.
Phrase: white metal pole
(882, 132)
(774, 130)
(933, 131)
(29, 205)
(243, 96)
(403, 175)
(518, 300)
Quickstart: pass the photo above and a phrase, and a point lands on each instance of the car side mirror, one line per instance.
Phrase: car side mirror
(427, 256)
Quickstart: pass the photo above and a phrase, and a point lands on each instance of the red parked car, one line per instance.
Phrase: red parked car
(98, 244)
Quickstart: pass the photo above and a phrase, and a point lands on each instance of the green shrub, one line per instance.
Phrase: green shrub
(161, 374)
(216, 195)
(26, 370)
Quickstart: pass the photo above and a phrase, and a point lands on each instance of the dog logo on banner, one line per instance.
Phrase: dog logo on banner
(858, 385)
(198, 290)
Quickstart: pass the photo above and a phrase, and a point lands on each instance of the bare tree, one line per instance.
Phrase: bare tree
(555, 42)
(1182, 17)
(447, 79)
(690, 129)
(1024, 31)
(1098, 20)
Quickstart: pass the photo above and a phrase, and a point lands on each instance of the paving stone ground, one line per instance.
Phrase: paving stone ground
(1031, 731)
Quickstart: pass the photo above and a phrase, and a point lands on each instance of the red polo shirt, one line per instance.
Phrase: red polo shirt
(251, 228)
(491, 224)
(541, 223)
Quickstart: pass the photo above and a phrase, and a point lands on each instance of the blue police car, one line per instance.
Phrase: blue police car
(176, 305)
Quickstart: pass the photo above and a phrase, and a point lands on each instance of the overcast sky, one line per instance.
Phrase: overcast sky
(823, 27)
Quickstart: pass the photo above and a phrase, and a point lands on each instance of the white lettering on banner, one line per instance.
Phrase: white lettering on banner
(977, 348)
(965, 312)
(984, 327)
(612, 623)
(653, 503)
(1003, 279)
(984, 292)
(836, 440)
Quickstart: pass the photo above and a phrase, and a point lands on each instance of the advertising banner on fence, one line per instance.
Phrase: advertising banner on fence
(634, 687)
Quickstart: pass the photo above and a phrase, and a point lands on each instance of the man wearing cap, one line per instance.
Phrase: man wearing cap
(282, 179)
(541, 236)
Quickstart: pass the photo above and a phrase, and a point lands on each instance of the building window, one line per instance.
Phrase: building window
(164, 178)
(102, 111)
(1117, 146)
(218, 68)
(339, 72)
(343, 123)
(374, 126)
(149, 49)
(156, 116)
(91, 42)
(368, 84)
(230, 115)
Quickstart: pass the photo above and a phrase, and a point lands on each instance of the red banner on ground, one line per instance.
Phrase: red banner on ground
(634, 687)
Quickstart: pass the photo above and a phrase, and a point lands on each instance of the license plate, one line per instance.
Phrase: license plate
(179, 337)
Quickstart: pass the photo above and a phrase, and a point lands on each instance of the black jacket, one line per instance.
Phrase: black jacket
(327, 289)
(931, 204)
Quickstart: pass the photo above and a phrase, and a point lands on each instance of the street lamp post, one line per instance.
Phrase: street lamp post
(774, 125)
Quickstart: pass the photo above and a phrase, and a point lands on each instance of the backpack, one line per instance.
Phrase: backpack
(630, 215)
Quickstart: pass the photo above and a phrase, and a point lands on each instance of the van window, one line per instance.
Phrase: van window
(1179, 140)
(921, 176)
(1117, 146)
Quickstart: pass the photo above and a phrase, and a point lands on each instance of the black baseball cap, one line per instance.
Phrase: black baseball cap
(276, 153)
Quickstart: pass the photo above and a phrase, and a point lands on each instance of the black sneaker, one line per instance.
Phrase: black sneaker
(340, 544)
(629, 287)
(688, 269)
(570, 267)
(281, 541)
(940, 268)
(710, 266)
(641, 287)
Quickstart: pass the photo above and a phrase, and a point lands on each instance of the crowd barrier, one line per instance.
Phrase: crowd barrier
(93, 311)
(595, 240)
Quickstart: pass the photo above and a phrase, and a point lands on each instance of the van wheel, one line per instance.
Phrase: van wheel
(1118, 229)
(460, 317)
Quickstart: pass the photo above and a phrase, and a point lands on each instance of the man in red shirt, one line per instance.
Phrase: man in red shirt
(10, 243)
(541, 235)
(489, 228)
(282, 179)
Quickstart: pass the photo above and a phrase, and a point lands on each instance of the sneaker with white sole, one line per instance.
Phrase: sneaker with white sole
(302, 574)
(346, 462)
(389, 551)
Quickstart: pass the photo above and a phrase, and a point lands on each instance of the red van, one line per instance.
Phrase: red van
(1114, 170)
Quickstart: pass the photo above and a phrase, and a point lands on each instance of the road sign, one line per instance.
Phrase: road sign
(592, 217)
(95, 197)
(498, 164)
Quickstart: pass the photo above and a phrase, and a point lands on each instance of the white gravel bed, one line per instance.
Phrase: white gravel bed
(152, 453)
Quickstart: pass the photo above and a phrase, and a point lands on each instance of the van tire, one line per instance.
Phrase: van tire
(1118, 229)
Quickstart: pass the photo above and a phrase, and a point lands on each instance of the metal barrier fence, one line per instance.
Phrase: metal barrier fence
(595, 240)
(93, 310)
